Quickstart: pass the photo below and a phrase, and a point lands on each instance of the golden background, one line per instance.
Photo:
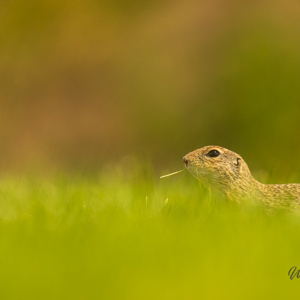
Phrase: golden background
(85, 83)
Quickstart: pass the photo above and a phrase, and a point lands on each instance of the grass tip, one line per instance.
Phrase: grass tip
(171, 174)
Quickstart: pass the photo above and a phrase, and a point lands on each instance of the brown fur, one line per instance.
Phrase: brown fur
(230, 174)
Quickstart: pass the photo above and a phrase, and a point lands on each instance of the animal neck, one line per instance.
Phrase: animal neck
(245, 189)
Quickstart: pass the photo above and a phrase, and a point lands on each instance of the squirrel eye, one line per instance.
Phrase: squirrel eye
(213, 153)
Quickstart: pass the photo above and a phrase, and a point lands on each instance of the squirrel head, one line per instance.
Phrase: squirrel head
(216, 166)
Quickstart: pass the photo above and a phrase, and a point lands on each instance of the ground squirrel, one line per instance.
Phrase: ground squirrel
(226, 171)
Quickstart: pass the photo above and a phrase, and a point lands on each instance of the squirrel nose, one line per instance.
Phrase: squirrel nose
(185, 161)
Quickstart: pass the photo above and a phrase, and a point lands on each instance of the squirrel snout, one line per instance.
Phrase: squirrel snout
(185, 160)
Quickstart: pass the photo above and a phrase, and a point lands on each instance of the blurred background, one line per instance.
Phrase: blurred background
(86, 83)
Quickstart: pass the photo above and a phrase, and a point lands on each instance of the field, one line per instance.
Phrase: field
(98, 99)
(126, 234)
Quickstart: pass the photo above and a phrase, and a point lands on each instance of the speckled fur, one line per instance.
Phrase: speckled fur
(230, 174)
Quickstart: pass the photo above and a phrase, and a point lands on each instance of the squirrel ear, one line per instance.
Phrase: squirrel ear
(237, 161)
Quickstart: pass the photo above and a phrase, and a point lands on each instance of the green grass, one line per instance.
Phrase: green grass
(76, 237)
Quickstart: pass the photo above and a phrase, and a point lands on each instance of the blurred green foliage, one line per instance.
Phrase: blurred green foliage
(92, 85)
(116, 237)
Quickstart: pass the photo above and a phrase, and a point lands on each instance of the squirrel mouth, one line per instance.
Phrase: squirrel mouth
(186, 162)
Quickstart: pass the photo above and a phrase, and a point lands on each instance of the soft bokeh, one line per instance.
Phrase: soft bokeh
(104, 96)
(76, 239)
(89, 82)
